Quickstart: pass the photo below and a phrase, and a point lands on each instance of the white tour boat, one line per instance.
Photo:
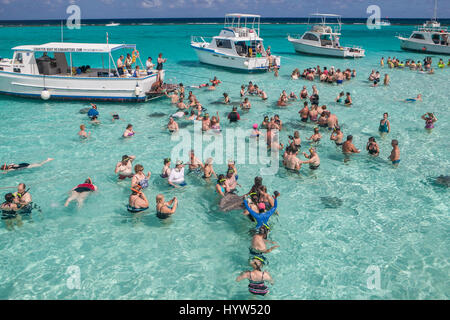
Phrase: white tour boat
(237, 46)
(112, 24)
(322, 39)
(383, 23)
(428, 38)
(52, 74)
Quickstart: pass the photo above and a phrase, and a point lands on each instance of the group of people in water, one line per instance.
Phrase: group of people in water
(325, 75)
(425, 66)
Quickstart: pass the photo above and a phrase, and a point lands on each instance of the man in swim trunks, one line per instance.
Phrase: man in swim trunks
(195, 165)
(291, 161)
(348, 147)
(172, 125)
(314, 160)
(81, 192)
(332, 121)
(395, 153)
(12, 167)
(22, 198)
(173, 97)
(337, 136)
(124, 168)
(9, 211)
(259, 247)
(304, 112)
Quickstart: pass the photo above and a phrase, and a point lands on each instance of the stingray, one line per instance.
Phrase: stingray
(184, 124)
(157, 114)
(231, 202)
(84, 110)
(443, 181)
(331, 202)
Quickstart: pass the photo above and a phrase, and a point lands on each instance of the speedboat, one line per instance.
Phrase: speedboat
(428, 38)
(238, 45)
(112, 24)
(323, 39)
(53, 75)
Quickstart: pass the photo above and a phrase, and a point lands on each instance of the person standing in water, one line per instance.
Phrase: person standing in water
(165, 209)
(138, 201)
(372, 147)
(314, 160)
(10, 212)
(395, 153)
(348, 147)
(129, 131)
(140, 179)
(385, 125)
(337, 136)
(430, 119)
(256, 278)
(82, 133)
(124, 168)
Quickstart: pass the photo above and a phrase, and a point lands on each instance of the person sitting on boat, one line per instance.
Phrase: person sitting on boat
(129, 63)
(136, 73)
(120, 65)
(93, 111)
(157, 86)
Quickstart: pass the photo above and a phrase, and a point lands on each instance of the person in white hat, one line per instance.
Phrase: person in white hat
(176, 177)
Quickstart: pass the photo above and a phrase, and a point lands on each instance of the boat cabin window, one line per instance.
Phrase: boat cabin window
(18, 58)
(436, 38)
(310, 36)
(418, 36)
(223, 43)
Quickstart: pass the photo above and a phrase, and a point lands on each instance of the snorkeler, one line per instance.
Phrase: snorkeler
(262, 217)
(220, 185)
(256, 278)
(138, 201)
(81, 192)
(258, 247)
(124, 167)
(165, 209)
(418, 98)
(22, 197)
(13, 167)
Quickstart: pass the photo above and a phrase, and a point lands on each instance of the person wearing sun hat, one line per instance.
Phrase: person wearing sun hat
(176, 176)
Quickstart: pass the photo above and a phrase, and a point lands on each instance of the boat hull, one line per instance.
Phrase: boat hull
(324, 51)
(407, 44)
(77, 88)
(211, 57)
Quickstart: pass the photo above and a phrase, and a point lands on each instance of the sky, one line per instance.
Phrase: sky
(114, 9)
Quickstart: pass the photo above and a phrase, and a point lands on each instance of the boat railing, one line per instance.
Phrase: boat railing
(432, 29)
(200, 39)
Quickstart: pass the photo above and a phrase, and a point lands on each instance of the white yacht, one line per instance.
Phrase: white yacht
(48, 71)
(112, 24)
(428, 38)
(323, 39)
(237, 46)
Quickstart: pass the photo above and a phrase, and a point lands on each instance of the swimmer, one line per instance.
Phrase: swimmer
(314, 160)
(140, 179)
(176, 176)
(418, 98)
(387, 79)
(256, 278)
(293, 96)
(278, 123)
(290, 160)
(93, 111)
(81, 192)
(242, 92)
(430, 119)
(265, 123)
(13, 167)
(208, 169)
(226, 98)
(94, 120)
(165, 209)
(395, 153)
(9, 212)
(137, 201)
(115, 116)
(372, 147)
(215, 82)
(124, 167)
(129, 131)
(82, 133)
(316, 136)
(263, 95)
(166, 169)
(282, 101)
(304, 93)
(262, 216)
(337, 136)
(173, 97)
(195, 165)
(385, 125)
(172, 125)
(258, 247)
(348, 147)
(234, 116)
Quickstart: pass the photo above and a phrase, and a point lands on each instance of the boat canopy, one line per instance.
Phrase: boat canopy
(242, 15)
(74, 47)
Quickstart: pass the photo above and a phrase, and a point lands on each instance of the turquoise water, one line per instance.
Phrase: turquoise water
(393, 219)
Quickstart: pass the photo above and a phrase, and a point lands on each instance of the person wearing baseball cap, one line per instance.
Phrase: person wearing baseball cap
(176, 177)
